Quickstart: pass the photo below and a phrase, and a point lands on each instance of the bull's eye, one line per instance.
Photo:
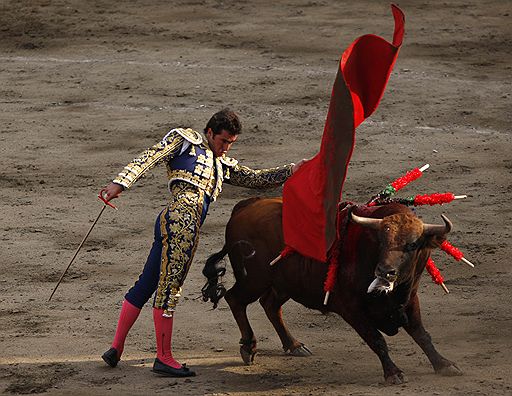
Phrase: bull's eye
(391, 275)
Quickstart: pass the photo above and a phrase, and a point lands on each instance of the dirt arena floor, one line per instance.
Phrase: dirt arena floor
(86, 85)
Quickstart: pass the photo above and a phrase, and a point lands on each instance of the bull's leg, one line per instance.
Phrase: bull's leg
(354, 315)
(238, 302)
(416, 330)
(272, 303)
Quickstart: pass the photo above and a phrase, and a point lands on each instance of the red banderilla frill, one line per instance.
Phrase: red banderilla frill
(435, 274)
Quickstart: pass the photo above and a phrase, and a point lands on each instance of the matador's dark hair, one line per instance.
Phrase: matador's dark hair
(224, 119)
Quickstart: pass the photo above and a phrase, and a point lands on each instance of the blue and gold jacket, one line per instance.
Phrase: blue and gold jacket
(188, 158)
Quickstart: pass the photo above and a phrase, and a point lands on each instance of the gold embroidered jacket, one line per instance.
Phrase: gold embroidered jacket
(188, 158)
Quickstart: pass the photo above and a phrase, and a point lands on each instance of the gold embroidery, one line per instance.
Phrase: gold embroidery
(207, 159)
(203, 171)
(261, 178)
(228, 161)
(168, 147)
(216, 186)
(191, 135)
(185, 175)
(180, 235)
(203, 175)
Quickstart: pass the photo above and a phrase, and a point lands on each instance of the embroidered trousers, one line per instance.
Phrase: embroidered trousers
(174, 246)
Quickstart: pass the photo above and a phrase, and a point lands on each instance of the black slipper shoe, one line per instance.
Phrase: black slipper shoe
(168, 371)
(110, 357)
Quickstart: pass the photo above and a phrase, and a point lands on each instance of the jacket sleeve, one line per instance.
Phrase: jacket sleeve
(243, 176)
(167, 148)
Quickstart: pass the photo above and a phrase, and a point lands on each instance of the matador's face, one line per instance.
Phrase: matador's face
(221, 142)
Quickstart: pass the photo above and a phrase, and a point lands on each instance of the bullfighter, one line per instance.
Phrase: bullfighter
(196, 167)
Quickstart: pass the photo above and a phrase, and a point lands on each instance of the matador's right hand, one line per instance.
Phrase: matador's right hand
(113, 190)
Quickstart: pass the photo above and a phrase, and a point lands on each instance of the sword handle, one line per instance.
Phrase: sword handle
(100, 196)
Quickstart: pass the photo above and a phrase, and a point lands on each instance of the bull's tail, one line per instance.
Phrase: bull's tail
(214, 268)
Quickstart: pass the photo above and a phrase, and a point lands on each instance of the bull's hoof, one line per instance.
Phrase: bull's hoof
(449, 371)
(301, 351)
(247, 356)
(396, 379)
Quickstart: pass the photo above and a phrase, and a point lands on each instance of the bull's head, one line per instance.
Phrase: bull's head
(401, 237)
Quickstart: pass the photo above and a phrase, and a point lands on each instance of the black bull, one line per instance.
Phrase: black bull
(381, 261)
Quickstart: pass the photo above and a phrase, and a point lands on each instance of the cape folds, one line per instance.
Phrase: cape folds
(311, 195)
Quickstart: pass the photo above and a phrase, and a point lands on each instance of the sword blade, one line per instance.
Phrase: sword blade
(77, 250)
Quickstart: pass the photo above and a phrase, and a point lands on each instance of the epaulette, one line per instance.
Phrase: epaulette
(231, 162)
(190, 135)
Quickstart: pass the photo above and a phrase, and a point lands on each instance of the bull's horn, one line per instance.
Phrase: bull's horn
(366, 221)
(435, 229)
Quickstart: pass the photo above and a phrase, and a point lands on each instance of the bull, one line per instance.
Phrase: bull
(383, 253)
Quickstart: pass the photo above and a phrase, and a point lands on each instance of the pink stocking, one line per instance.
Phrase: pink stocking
(163, 331)
(127, 317)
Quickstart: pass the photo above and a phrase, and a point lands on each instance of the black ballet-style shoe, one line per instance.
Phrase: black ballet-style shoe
(168, 371)
(110, 357)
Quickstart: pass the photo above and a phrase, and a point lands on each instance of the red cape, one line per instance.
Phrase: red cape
(311, 195)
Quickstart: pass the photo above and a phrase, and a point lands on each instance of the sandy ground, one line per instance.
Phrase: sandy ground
(86, 85)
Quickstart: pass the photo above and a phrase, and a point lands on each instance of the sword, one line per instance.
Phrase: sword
(106, 203)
